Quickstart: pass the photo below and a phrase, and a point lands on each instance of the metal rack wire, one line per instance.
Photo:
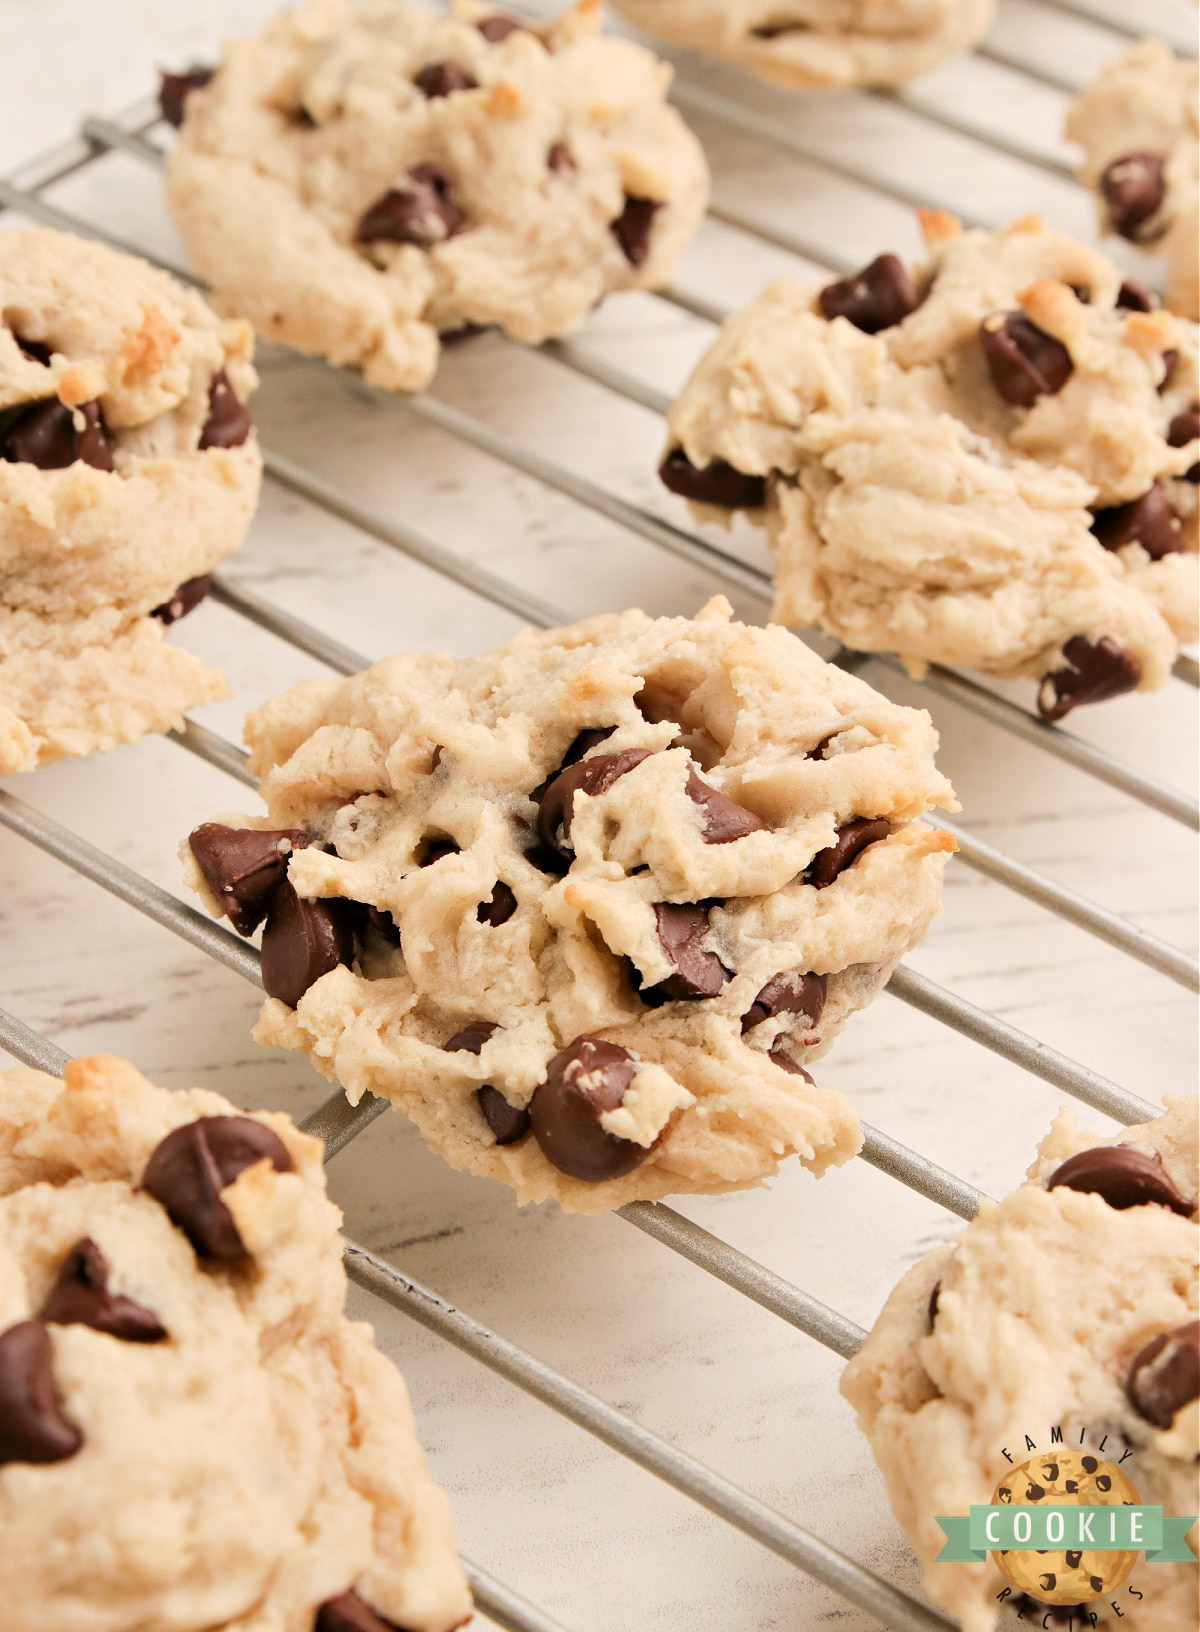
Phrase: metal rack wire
(338, 1123)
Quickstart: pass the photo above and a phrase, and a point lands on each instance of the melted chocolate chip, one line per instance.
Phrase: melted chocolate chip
(185, 599)
(243, 865)
(932, 1306)
(1024, 363)
(698, 972)
(1165, 1374)
(188, 1170)
(878, 297)
(583, 1081)
(302, 941)
(32, 1425)
(780, 1057)
(1132, 187)
(348, 1613)
(852, 839)
(498, 27)
(174, 90)
(228, 423)
(1149, 521)
(559, 159)
(717, 483)
(471, 1038)
(633, 227)
(509, 1123)
(724, 819)
(443, 79)
(420, 211)
(1123, 1176)
(46, 435)
(80, 1297)
(590, 777)
(1095, 673)
(1135, 297)
(500, 908)
(791, 993)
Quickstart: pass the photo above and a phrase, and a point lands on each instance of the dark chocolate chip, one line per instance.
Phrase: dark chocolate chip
(188, 1170)
(1050, 1472)
(1103, 1481)
(243, 865)
(852, 839)
(185, 599)
(1133, 187)
(36, 350)
(384, 924)
(1073, 1560)
(791, 993)
(1135, 297)
(348, 1613)
(587, 776)
(174, 90)
(497, 27)
(508, 1122)
(1047, 1582)
(1123, 1176)
(559, 159)
(931, 1308)
(584, 1080)
(717, 483)
(1090, 1464)
(1184, 428)
(471, 1038)
(420, 211)
(878, 297)
(435, 849)
(724, 819)
(1095, 673)
(32, 1425)
(45, 435)
(80, 1297)
(1149, 521)
(633, 227)
(1165, 1374)
(1024, 363)
(302, 941)
(1034, 1493)
(228, 423)
(443, 79)
(500, 908)
(698, 972)
(780, 1057)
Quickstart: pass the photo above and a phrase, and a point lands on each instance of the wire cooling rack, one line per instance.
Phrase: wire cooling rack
(815, 133)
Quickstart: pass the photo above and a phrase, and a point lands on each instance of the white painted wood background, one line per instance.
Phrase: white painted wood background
(594, 1541)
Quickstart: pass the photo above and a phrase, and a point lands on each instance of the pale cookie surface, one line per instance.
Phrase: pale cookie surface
(990, 461)
(822, 44)
(192, 1434)
(1137, 125)
(368, 173)
(128, 468)
(1049, 1315)
(742, 870)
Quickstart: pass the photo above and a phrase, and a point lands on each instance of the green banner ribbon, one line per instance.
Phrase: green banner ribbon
(1019, 1527)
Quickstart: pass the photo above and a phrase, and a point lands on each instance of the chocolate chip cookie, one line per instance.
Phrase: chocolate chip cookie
(128, 470)
(368, 174)
(588, 907)
(990, 459)
(1068, 1313)
(192, 1434)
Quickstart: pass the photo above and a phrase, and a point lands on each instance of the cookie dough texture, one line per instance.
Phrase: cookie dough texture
(260, 1460)
(1042, 1305)
(87, 553)
(819, 44)
(306, 128)
(1146, 103)
(911, 508)
(418, 751)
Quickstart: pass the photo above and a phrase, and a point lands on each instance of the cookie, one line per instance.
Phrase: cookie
(586, 908)
(368, 174)
(819, 44)
(1136, 123)
(989, 461)
(128, 469)
(1066, 1313)
(192, 1434)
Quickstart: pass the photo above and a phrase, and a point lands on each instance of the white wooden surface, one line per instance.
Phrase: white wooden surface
(598, 1543)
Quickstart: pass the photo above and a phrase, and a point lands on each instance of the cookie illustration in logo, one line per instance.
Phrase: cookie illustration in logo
(1065, 1479)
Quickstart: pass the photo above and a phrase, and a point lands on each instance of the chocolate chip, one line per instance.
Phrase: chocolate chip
(1123, 1176)
(420, 211)
(1024, 363)
(185, 599)
(878, 297)
(45, 435)
(559, 159)
(302, 941)
(1047, 1582)
(1095, 673)
(698, 972)
(791, 993)
(36, 350)
(32, 1425)
(1165, 1374)
(80, 1297)
(1050, 1472)
(498, 27)
(471, 1038)
(443, 79)
(243, 865)
(384, 924)
(932, 1307)
(348, 1613)
(590, 777)
(584, 1080)
(1073, 1560)
(1149, 521)
(1133, 187)
(633, 226)
(1135, 297)
(500, 908)
(1034, 1493)
(189, 1168)
(174, 90)
(1090, 1464)
(852, 839)
(1103, 1481)
(717, 483)
(1170, 364)
(228, 423)
(780, 1057)
(724, 819)
(1185, 428)
(435, 849)
(508, 1122)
